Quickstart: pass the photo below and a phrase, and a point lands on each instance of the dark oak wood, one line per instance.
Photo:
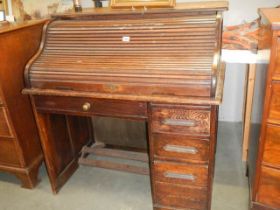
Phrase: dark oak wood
(20, 150)
(161, 66)
(171, 196)
(264, 166)
(180, 173)
(75, 105)
(178, 147)
(181, 119)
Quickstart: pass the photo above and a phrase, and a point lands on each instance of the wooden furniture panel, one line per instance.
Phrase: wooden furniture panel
(178, 196)
(5, 127)
(277, 58)
(20, 149)
(178, 173)
(1, 98)
(274, 108)
(6, 156)
(182, 120)
(264, 167)
(272, 146)
(180, 148)
(269, 190)
(66, 135)
(86, 106)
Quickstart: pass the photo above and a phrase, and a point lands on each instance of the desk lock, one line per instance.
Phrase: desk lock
(86, 106)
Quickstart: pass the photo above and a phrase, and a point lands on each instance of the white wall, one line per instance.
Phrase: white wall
(231, 110)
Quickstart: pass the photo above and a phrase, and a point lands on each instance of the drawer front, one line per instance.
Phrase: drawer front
(179, 147)
(86, 106)
(5, 127)
(8, 155)
(188, 120)
(269, 189)
(178, 173)
(272, 145)
(274, 108)
(182, 197)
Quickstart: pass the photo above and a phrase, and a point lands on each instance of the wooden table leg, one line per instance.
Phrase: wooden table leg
(249, 94)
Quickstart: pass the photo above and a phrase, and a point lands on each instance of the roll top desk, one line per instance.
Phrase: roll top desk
(161, 66)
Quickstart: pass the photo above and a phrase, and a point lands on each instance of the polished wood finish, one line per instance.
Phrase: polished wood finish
(5, 127)
(269, 189)
(272, 146)
(274, 111)
(20, 150)
(161, 66)
(264, 170)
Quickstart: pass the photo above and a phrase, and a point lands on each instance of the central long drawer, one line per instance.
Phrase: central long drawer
(90, 106)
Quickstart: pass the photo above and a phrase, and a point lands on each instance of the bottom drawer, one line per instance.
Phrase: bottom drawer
(168, 196)
(269, 189)
(8, 155)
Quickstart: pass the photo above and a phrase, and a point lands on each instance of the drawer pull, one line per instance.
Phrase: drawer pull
(180, 149)
(176, 122)
(86, 106)
(189, 177)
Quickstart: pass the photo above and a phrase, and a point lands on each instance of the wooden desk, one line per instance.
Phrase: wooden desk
(161, 66)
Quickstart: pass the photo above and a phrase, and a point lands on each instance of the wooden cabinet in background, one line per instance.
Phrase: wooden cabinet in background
(20, 150)
(264, 166)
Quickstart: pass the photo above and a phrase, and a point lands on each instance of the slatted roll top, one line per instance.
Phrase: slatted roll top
(147, 54)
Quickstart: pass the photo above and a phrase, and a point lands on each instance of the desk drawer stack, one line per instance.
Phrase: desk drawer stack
(266, 183)
(182, 142)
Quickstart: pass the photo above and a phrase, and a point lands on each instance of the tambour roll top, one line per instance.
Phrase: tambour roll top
(162, 52)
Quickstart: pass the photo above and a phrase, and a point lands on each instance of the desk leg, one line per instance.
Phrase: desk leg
(62, 138)
(247, 109)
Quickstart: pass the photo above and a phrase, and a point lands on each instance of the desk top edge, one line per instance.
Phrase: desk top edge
(180, 7)
(272, 15)
(16, 26)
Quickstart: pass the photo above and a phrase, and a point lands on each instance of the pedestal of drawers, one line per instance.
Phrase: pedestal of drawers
(182, 148)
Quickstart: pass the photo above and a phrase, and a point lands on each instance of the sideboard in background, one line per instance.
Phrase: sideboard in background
(20, 150)
(264, 150)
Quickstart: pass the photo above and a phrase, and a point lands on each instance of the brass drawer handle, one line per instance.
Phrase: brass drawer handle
(179, 122)
(189, 177)
(86, 106)
(180, 149)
